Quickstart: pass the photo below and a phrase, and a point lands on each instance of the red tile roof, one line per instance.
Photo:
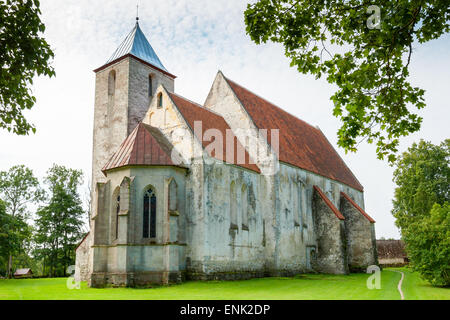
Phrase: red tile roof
(329, 203)
(210, 120)
(300, 144)
(145, 145)
(357, 207)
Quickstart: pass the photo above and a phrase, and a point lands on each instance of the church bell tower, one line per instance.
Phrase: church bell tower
(124, 87)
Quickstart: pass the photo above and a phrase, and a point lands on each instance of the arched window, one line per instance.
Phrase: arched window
(112, 82)
(149, 223)
(244, 207)
(173, 205)
(117, 216)
(150, 118)
(233, 208)
(160, 100)
(150, 85)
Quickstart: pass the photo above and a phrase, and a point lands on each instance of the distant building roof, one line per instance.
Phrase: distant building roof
(21, 272)
(300, 144)
(388, 249)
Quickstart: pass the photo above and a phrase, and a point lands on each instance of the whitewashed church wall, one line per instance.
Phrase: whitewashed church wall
(238, 249)
(294, 241)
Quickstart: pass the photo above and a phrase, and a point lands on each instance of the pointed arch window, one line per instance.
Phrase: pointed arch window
(149, 223)
(160, 100)
(117, 216)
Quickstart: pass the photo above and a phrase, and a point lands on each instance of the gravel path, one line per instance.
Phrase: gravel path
(399, 287)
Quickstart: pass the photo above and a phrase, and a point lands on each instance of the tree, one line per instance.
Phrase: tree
(15, 234)
(24, 53)
(59, 223)
(372, 48)
(421, 208)
(428, 245)
(18, 188)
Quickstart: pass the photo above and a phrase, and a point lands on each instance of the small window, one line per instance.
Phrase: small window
(149, 223)
(112, 82)
(160, 100)
(150, 85)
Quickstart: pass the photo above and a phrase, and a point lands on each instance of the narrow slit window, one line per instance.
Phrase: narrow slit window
(244, 208)
(160, 100)
(112, 82)
(117, 216)
(150, 85)
(233, 206)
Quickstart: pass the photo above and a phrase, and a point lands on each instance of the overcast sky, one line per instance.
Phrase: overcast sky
(194, 39)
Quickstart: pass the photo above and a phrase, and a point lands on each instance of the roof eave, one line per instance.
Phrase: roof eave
(138, 59)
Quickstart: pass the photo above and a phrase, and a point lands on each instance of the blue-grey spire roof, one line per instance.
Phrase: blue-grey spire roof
(137, 44)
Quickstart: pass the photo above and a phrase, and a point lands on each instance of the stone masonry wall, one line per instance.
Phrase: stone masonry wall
(360, 235)
(331, 256)
(81, 260)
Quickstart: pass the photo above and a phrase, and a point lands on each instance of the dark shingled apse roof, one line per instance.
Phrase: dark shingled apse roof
(194, 112)
(145, 145)
(300, 144)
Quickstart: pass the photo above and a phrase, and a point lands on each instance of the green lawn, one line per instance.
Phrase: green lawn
(313, 286)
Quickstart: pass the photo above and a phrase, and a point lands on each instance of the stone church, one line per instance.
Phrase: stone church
(235, 188)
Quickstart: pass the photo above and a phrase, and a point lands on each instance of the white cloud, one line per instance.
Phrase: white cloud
(193, 40)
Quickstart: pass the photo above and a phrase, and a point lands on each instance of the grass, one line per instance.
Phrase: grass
(310, 286)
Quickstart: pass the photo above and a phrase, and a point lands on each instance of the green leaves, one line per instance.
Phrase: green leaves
(23, 54)
(375, 100)
(18, 188)
(421, 208)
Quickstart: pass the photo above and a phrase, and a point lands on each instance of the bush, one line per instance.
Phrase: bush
(428, 245)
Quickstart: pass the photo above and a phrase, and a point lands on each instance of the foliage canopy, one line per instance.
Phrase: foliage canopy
(365, 55)
(24, 53)
(421, 208)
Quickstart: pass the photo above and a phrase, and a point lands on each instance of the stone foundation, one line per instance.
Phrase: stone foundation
(135, 279)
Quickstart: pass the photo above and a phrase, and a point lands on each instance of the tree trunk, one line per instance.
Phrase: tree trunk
(10, 273)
